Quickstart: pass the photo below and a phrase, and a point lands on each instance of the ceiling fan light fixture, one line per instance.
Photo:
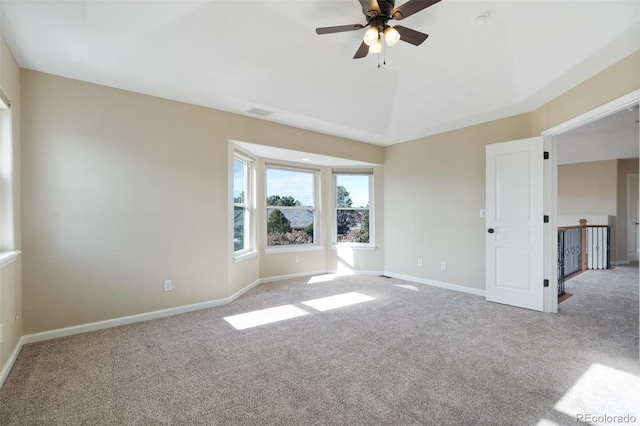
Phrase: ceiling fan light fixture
(391, 36)
(371, 36)
(376, 47)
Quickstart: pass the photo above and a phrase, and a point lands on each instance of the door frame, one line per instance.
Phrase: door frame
(551, 186)
(630, 176)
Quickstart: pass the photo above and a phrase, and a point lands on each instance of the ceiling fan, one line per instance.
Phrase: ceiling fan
(378, 13)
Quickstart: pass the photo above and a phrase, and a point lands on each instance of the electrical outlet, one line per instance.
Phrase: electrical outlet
(168, 285)
(297, 259)
(443, 265)
(1, 332)
(420, 261)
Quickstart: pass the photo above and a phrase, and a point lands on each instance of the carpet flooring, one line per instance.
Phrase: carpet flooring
(406, 354)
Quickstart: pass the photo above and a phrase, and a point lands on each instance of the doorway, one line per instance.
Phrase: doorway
(633, 244)
(550, 138)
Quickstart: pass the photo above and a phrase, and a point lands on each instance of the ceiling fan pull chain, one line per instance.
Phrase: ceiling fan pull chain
(384, 54)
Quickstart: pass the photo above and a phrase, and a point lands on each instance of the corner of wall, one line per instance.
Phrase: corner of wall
(11, 274)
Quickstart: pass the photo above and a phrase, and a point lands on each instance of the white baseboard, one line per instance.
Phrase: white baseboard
(242, 291)
(454, 287)
(4, 373)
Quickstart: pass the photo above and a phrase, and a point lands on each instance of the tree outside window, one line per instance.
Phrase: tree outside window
(241, 223)
(352, 200)
(291, 211)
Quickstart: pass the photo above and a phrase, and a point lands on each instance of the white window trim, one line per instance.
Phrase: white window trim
(8, 257)
(334, 239)
(317, 212)
(245, 255)
(287, 248)
(249, 250)
(7, 223)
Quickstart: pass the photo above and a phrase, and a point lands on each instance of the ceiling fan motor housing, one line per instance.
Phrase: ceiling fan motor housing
(379, 19)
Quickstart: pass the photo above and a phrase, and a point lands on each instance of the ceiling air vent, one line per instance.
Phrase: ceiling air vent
(261, 112)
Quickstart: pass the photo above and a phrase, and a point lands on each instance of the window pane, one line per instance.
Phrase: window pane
(290, 188)
(238, 228)
(239, 180)
(289, 226)
(352, 191)
(241, 200)
(353, 226)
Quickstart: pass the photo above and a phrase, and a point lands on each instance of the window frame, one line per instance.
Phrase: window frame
(8, 250)
(248, 249)
(334, 228)
(317, 214)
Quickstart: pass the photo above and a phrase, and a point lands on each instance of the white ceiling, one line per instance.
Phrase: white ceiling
(616, 136)
(238, 55)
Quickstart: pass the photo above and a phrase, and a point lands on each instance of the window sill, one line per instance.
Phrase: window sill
(354, 246)
(244, 256)
(292, 248)
(7, 257)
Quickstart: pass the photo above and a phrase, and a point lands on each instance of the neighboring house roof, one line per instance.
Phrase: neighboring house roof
(298, 218)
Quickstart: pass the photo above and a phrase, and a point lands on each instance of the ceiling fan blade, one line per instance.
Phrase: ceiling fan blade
(370, 7)
(411, 36)
(339, 29)
(411, 7)
(362, 51)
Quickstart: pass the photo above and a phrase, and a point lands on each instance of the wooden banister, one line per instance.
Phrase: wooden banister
(583, 257)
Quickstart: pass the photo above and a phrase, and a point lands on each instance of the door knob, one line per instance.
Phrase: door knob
(491, 230)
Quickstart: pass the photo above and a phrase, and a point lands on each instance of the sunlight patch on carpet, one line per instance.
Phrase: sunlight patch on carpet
(264, 316)
(601, 391)
(408, 287)
(338, 301)
(321, 278)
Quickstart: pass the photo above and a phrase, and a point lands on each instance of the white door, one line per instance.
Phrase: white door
(632, 218)
(514, 223)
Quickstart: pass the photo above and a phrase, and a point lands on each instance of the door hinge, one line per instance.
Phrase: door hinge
(545, 219)
(546, 283)
(546, 155)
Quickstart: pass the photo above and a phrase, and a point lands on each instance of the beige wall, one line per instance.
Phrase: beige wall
(11, 275)
(123, 190)
(434, 189)
(435, 186)
(591, 188)
(614, 82)
(598, 188)
(625, 168)
(588, 188)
